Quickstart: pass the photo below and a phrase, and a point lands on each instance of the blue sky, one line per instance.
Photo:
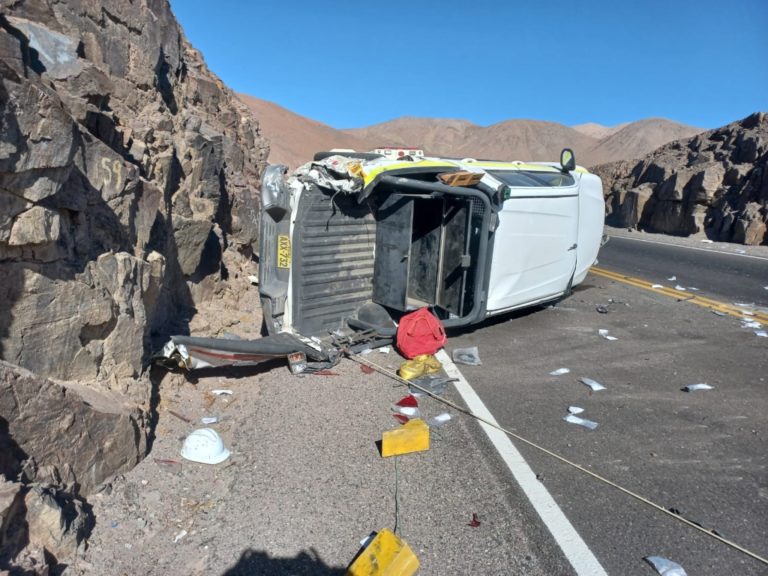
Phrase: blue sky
(355, 63)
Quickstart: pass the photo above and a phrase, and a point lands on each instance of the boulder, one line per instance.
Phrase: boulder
(76, 434)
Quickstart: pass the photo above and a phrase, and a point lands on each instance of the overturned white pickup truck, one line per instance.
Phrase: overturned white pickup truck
(351, 242)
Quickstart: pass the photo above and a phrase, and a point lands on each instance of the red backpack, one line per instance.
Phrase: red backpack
(420, 332)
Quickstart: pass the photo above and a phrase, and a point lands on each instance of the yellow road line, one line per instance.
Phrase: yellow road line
(714, 305)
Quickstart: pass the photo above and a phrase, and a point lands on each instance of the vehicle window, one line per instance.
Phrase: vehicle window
(533, 178)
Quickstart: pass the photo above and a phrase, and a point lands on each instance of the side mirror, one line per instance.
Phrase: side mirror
(567, 160)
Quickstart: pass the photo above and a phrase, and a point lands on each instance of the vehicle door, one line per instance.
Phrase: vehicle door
(534, 254)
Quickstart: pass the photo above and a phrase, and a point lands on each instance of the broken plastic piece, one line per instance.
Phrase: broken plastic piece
(657, 286)
(591, 383)
(439, 420)
(222, 392)
(209, 419)
(475, 522)
(402, 418)
(761, 333)
(385, 349)
(412, 436)
(680, 288)
(408, 411)
(665, 567)
(409, 400)
(604, 334)
(575, 410)
(384, 555)
(468, 356)
(365, 369)
(431, 383)
(694, 387)
(672, 278)
(581, 421)
(559, 372)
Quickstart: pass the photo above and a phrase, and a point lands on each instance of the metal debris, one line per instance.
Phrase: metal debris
(595, 385)
(601, 309)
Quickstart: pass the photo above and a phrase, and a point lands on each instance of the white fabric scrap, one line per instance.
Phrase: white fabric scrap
(680, 288)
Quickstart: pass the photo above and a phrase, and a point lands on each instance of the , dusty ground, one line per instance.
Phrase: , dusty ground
(305, 483)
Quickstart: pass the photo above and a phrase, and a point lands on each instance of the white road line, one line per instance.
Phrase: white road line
(575, 549)
(707, 250)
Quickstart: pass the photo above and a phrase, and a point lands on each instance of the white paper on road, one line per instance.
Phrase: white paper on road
(595, 385)
(681, 288)
(657, 286)
(439, 420)
(665, 567)
(761, 333)
(222, 392)
(672, 278)
(575, 410)
(694, 387)
(604, 334)
(581, 421)
(559, 372)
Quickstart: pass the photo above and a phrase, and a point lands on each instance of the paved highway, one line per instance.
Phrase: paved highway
(701, 453)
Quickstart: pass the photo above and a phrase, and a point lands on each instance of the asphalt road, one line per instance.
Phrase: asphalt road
(702, 453)
(728, 276)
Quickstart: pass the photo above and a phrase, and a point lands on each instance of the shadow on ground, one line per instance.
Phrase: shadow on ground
(254, 563)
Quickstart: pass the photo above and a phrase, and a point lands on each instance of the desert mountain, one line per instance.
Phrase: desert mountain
(294, 138)
(598, 130)
(715, 183)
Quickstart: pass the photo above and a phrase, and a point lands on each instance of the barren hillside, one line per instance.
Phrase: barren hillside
(294, 138)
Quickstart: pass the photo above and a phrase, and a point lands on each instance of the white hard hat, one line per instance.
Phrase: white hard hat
(204, 445)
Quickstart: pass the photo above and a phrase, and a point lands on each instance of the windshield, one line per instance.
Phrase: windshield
(530, 178)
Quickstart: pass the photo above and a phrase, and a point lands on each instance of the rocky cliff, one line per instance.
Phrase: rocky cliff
(129, 182)
(714, 184)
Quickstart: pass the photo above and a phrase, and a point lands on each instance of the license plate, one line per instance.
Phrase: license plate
(283, 251)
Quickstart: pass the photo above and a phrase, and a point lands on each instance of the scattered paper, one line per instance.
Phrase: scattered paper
(179, 536)
(439, 420)
(672, 278)
(761, 333)
(694, 387)
(222, 392)
(595, 385)
(407, 411)
(750, 324)
(604, 334)
(575, 410)
(665, 567)
(581, 421)
(657, 286)
(209, 420)
(706, 241)
(253, 280)
(692, 288)
(385, 349)
(680, 288)
(744, 304)
(718, 313)
(559, 372)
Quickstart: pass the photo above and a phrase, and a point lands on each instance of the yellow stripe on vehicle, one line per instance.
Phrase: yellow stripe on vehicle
(714, 305)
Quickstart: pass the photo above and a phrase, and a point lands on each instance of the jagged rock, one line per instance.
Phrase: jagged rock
(11, 513)
(56, 521)
(713, 183)
(86, 434)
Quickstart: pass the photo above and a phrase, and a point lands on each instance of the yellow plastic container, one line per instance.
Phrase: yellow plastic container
(419, 366)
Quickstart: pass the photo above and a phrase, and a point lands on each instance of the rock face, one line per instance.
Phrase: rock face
(128, 172)
(715, 183)
(129, 180)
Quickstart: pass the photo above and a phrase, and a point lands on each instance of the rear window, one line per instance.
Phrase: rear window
(530, 178)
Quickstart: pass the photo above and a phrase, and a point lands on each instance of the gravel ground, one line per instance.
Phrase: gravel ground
(305, 483)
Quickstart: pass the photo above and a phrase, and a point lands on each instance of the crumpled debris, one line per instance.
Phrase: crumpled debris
(604, 334)
(559, 372)
(468, 356)
(209, 420)
(222, 392)
(434, 384)
(407, 406)
(474, 523)
(672, 278)
(694, 387)
(439, 420)
(761, 333)
(680, 288)
(575, 410)
(581, 421)
(385, 349)
(665, 567)
(657, 286)
(601, 309)
(594, 384)
(365, 369)
(337, 173)
(749, 323)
